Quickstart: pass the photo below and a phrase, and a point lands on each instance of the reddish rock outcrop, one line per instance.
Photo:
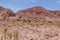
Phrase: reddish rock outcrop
(38, 13)
(6, 13)
(34, 13)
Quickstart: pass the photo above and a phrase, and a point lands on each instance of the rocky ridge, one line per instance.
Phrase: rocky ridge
(34, 13)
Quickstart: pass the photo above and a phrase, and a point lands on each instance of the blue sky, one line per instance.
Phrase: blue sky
(16, 5)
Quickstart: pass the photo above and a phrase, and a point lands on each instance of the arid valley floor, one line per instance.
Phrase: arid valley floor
(29, 30)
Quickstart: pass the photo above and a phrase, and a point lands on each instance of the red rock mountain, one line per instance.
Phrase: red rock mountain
(5, 13)
(34, 13)
(38, 13)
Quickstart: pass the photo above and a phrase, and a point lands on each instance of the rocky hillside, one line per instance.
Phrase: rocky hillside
(6, 13)
(34, 23)
(34, 13)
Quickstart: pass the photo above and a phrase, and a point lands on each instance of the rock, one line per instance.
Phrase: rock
(31, 13)
(5, 13)
(34, 13)
(38, 13)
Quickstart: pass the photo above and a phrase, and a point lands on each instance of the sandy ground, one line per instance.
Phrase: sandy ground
(25, 31)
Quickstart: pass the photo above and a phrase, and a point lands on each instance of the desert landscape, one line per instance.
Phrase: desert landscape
(36, 23)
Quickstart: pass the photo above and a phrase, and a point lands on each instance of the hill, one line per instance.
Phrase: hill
(34, 13)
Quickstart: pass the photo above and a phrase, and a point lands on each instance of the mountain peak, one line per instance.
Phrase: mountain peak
(36, 8)
(33, 13)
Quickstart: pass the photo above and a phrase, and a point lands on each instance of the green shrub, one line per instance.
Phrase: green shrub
(26, 21)
(1, 37)
(16, 35)
(9, 35)
(5, 33)
(51, 22)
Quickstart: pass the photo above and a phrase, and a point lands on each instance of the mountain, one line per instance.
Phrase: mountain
(40, 28)
(34, 13)
(5, 13)
(38, 13)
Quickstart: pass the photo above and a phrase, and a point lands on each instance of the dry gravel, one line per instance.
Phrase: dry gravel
(30, 31)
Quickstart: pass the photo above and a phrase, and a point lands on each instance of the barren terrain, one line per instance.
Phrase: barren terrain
(25, 30)
(34, 23)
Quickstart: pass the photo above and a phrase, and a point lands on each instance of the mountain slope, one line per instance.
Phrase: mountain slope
(34, 13)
